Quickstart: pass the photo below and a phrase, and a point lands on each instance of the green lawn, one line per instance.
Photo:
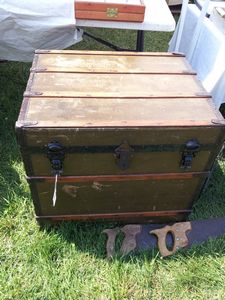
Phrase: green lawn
(68, 262)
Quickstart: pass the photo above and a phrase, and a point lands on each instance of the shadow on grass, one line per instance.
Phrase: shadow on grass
(211, 202)
(13, 78)
(12, 179)
(88, 237)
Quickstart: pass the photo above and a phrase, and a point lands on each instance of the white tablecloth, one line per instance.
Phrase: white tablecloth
(27, 25)
(157, 18)
(209, 54)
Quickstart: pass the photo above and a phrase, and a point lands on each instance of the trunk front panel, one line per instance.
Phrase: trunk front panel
(115, 197)
(91, 152)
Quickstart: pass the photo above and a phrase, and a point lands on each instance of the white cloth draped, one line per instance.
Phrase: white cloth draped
(27, 25)
(208, 58)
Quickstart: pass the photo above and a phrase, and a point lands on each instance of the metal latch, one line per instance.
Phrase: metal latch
(189, 152)
(123, 155)
(112, 12)
(56, 154)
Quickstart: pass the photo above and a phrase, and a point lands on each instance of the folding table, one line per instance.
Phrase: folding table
(157, 18)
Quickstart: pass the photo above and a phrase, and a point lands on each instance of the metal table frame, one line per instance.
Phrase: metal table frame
(139, 42)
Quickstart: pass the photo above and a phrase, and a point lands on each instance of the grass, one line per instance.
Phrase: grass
(68, 262)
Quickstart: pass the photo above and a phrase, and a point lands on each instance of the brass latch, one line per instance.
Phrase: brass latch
(112, 12)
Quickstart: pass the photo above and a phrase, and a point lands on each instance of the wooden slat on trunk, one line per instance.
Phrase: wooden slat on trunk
(115, 85)
(111, 63)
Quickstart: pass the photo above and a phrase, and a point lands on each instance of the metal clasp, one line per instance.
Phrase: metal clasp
(189, 152)
(123, 155)
(112, 12)
(56, 154)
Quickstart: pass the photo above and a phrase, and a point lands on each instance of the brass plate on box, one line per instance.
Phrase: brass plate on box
(112, 12)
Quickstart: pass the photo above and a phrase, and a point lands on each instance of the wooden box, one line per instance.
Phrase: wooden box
(129, 136)
(110, 10)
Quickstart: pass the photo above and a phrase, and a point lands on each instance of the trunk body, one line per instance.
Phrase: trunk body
(129, 136)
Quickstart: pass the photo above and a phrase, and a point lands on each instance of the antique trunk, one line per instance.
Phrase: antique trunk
(110, 10)
(116, 136)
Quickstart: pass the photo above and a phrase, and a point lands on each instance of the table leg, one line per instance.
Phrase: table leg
(106, 43)
(140, 41)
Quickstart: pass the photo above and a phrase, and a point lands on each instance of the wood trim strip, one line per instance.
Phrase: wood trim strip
(125, 124)
(23, 111)
(30, 82)
(35, 61)
(116, 216)
(56, 70)
(113, 53)
(110, 178)
(145, 148)
(102, 6)
(70, 94)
